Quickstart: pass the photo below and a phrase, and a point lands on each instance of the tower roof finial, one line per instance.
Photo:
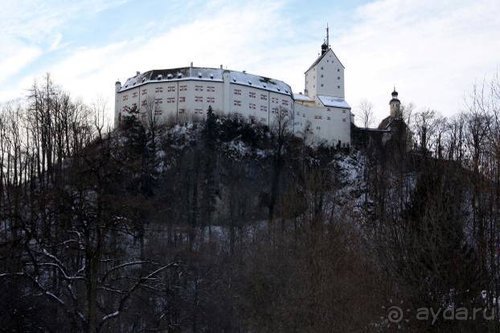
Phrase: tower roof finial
(327, 35)
(394, 92)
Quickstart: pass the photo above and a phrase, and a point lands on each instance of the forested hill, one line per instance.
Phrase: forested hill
(225, 226)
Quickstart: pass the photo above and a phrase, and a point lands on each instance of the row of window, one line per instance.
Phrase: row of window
(182, 99)
(251, 94)
(263, 97)
(253, 106)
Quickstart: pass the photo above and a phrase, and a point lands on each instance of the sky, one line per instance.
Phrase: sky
(432, 51)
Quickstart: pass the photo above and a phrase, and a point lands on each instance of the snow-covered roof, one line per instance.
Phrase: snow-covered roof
(207, 74)
(301, 97)
(321, 56)
(260, 82)
(334, 102)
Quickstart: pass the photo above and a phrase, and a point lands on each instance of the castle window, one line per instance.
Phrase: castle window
(284, 102)
(237, 103)
(198, 88)
(158, 101)
(198, 99)
(125, 97)
(134, 95)
(144, 103)
(171, 89)
(251, 94)
(318, 127)
(159, 90)
(144, 92)
(237, 91)
(263, 108)
(183, 88)
(263, 97)
(210, 99)
(251, 106)
(328, 109)
(322, 84)
(338, 78)
(210, 89)
(158, 112)
(182, 110)
(198, 111)
(328, 118)
(171, 100)
(321, 75)
(343, 111)
(338, 87)
(338, 69)
(321, 69)
(344, 120)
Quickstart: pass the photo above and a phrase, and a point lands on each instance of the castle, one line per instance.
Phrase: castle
(320, 114)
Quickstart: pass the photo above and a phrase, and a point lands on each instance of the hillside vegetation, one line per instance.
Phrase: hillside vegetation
(226, 226)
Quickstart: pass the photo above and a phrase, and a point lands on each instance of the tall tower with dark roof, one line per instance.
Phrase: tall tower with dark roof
(325, 77)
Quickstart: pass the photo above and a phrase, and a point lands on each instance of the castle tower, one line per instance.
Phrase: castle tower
(117, 117)
(395, 105)
(325, 77)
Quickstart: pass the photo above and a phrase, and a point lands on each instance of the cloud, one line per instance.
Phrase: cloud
(233, 35)
(30, 30)
(433, 51)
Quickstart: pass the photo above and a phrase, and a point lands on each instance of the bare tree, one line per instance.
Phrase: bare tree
(365, 113)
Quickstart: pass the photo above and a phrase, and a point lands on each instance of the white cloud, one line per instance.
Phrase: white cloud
(232, 35)
(432, 51)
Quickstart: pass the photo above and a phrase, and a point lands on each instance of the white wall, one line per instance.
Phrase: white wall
(317, 124)
(186, 99)
(326, 77)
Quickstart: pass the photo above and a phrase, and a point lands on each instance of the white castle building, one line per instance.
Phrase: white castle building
(320, 114)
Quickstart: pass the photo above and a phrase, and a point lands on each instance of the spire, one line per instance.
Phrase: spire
(327, 36)
(326, 43)
(394, 93)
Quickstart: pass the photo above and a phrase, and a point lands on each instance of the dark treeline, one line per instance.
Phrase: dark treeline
(227, 226)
